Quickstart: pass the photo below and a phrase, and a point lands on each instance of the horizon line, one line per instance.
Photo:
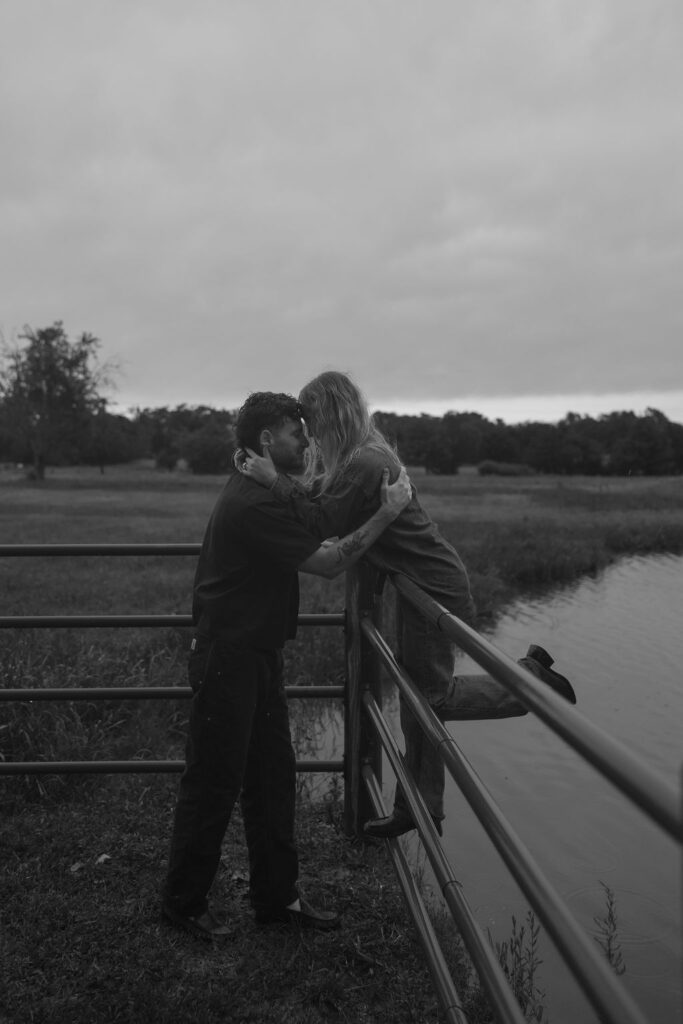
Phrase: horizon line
(511, 409)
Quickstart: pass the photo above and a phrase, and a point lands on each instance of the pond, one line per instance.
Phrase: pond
(619, 637)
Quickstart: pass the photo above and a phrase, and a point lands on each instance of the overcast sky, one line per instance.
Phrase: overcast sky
(468, 204)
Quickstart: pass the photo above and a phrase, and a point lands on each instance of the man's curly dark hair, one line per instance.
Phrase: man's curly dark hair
(263, 410)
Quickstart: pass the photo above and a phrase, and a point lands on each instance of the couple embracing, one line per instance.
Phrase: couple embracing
(317, 488)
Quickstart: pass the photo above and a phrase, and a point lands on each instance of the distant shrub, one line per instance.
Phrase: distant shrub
(167, 458)
(210, 449)
(491, 468)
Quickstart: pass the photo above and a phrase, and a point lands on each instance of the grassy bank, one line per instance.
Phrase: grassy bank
(512, 533)
(82, 857)
(538, 531)
(82, 942)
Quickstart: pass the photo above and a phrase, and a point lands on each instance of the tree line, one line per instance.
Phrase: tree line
(53, 412)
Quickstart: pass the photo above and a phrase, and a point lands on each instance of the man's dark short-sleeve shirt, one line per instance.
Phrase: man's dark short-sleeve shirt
(246, 586)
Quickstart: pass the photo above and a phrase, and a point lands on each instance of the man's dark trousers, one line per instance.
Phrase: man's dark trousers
(238, 744)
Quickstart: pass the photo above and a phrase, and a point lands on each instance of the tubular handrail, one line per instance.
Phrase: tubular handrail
(490, 971)
(441, 976)
(637, 780)
(21, 550)
(141, 692)
(128, 693)
(367, 734)
(125, 621)
(133, 766)
(594, 974)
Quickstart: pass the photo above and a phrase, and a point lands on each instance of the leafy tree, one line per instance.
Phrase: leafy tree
(640, 445)
(210, 449)
(167, 458)
(441, 455)
(166, 433)
(540, 446)
(465, 432)
(412, 435)
(49, 392)
(499, 443)
(111, 440)
(654, 444)
(158, 434)
(581, 449)
(676, 439)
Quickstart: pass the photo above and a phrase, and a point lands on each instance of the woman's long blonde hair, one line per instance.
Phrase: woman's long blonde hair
(338, 418)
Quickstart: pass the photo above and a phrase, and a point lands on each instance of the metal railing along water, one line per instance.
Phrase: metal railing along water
(636, 780)
(654, 795)
(367, 736)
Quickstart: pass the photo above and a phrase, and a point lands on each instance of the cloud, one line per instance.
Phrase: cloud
(445, 199)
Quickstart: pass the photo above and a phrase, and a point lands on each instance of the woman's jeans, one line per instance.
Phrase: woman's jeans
(238, 745)
(429, 659)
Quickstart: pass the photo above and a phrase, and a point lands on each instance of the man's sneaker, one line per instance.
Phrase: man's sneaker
(203, 926)
(396, 824)
(306, 917)
(538, 662)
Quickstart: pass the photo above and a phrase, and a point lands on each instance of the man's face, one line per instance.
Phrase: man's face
(287, 446)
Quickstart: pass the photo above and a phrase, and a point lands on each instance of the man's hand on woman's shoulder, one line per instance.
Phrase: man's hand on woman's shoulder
(394, 497)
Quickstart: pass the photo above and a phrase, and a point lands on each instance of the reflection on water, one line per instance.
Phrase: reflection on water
(619, 637)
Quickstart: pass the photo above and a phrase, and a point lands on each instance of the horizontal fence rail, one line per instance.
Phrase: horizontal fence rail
(120, 621)
(636, 780)
(119, 693)
(138, 766)
(132, 767)
(143, 693)
(42, 550)
(126, 621)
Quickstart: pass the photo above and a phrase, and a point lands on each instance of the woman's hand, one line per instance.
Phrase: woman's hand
(259, 468)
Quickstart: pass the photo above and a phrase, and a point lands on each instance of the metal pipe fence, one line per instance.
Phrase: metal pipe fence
(119, 693)
(637, 782)
(449, 997)
(592, 971)
(367, 736)
(483, 955)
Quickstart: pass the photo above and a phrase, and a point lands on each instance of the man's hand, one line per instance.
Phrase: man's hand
(259, 468)
(396, 496)
(331, 559)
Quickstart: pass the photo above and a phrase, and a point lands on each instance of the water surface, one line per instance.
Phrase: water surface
(619, 637)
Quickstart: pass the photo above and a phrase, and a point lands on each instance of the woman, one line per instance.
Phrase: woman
(341, 489)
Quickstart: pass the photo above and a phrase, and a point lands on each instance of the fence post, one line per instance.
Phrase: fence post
(361, 746)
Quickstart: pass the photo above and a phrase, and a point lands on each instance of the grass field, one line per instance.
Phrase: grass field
(80, 939)
(515, 531)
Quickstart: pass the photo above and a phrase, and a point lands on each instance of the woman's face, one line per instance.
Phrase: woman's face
(312, 416)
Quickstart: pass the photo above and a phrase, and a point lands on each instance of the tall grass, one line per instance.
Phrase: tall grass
(512, 534)
(67, 906)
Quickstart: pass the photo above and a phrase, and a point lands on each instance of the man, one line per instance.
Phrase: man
(246, 599)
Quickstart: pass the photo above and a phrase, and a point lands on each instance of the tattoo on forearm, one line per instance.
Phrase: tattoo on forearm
(356, 542)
